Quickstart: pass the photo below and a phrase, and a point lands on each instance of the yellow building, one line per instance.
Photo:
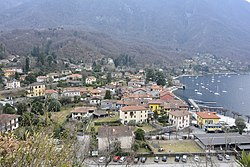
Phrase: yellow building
(207, 118)
(9, 72)
(156, 106)
(36, 90)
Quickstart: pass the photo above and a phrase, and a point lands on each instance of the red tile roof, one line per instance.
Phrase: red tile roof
(179, 113)
(208, 115)
(133, 108)
(83, 109)
(50, 91)
(4, 118)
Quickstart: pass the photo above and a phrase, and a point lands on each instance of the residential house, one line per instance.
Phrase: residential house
(13, 84)
(80, 113)
(43, 79)
(110, 137)
(206, 118)
(90, 80)
(11, 72)
(66, 72)
(8, 122)
(136, 83)
(71, 92)
(136, 114)
(36, 90)
(166, 95)
(74, 77)
(156, 106)
(139, 91)
(95, 101)
(51, 94)
(108, 104)
(175, 104)
(180, 118)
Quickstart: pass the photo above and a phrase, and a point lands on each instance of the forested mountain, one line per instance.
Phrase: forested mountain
(221, 27)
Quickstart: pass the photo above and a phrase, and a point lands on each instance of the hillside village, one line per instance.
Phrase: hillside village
(119, 111)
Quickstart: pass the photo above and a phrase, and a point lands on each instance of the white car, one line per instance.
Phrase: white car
(227, 157)
(101, 159)
(122, 159)
(196, 158)
(184, 158)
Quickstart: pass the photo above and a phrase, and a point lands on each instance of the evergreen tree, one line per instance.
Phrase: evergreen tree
(27, 64)
(107, 95)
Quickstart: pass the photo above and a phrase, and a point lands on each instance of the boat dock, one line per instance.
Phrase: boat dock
(198, 104)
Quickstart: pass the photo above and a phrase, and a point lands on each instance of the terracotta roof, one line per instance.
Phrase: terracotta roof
(114, 131)
(179, 113)
(83, 109)
(208, 115)
(133, 108)
(156, 102)
(50, 91)
(75, 76)
(4, 118)
(128, 102)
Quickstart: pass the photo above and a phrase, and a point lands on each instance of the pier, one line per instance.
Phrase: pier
(198, 104)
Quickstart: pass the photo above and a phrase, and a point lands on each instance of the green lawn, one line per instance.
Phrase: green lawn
(60, 116)
(108, 119)
(146, 128)
(176, 146)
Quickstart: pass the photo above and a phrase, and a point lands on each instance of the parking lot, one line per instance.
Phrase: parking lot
(171, 163)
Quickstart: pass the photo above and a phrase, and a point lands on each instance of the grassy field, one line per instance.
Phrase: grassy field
(60, 117)
(107, 119)
(175, 146)
(146, 128)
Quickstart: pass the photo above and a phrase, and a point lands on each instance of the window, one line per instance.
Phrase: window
(126, 112)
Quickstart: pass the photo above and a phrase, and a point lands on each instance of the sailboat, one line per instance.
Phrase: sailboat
(217, 93)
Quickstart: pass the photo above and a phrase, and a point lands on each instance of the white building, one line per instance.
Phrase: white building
(90, 80)
(95, 101)
(13, 84)
(137, 114)
(71, 92)
(180, 118)
(82, 112)
(109, 137)
(41, 79)
(8, 122)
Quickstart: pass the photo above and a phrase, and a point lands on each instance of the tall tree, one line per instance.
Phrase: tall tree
(21, 108)
(109, 77)
(54, 106)
(160, 78)
(240, 124)
(8, 109)
(27, 64)
(35, 51)
(107, 94)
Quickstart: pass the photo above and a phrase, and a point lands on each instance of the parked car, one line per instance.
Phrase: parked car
(177, 158)
(227, 157)
(196, 158)
(136, 160)
(184, 158)
(164, 158)
(116, 158)
(122, 159)
(156, 159)
(143, 159)
(220, 157)
(101, 159)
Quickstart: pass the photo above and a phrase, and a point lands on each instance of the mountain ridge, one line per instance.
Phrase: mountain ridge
(190, 26)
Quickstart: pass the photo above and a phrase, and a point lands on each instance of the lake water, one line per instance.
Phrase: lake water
(229, 91)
